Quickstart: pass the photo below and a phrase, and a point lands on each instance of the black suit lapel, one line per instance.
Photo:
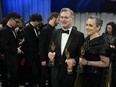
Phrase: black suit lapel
(32, 31)
(69, 39)
(59, 39)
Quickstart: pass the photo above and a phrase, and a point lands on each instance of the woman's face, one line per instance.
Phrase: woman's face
(109, 29)
(91, 27)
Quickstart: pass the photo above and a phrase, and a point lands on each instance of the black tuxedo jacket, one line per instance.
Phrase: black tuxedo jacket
(9, 45)
(73, 45)
(30, 46)
(44, 41)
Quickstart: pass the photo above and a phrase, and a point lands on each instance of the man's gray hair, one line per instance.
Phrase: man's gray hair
(67, 9)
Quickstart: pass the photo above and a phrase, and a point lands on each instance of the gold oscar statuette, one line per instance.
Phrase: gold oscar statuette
(80, 67)
(82, 52)
(52, 48)
(69, 68)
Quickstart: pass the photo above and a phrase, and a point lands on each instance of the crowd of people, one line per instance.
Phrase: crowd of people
(36, 55)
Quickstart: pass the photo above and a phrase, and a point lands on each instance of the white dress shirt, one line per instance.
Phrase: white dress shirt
(35, 32)
(64, 39)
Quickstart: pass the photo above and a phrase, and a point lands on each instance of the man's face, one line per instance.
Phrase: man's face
(91, 27)
(20, 24)
(66, 19)
(36, 23)
(57, 20)
(14, 22)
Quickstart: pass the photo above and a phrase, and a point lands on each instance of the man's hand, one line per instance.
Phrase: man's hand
(51, 55)
(43, 63)
(70, 62)
(19, 51)
(82, 61)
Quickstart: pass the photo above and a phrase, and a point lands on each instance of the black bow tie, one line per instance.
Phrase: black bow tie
(67, 31)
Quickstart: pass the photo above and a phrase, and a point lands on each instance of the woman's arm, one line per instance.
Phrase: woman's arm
(104, 62)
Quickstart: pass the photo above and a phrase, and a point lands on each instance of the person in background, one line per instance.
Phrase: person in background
(95, 60)
(11, 49)
(19, 28)
(3, 23)
(3, 67)
(110, 37)
(18, 31)
(66, 42)
(30, 47)
(45, 38)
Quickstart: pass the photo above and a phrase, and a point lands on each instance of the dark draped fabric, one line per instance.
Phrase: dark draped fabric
(84, 5)
(26, 8)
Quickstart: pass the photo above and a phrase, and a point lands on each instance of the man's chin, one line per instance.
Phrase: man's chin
(64, 26)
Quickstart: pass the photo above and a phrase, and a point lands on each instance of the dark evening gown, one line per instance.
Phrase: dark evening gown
(93, 76)
(111, 39)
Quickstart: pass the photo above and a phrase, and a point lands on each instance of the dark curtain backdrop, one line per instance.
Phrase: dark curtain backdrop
(77, 5)
(26, 8)
(0, 11)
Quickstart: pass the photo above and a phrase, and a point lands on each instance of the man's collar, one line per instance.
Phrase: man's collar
(69, 30)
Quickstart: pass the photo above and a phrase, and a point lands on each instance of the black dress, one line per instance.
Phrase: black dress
(111, 39)
(93, 76)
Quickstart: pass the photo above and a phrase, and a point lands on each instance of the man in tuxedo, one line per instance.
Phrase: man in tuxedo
(67, 42)
(11, 49)
(30, 48)
(45, 38)
(3, 67)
